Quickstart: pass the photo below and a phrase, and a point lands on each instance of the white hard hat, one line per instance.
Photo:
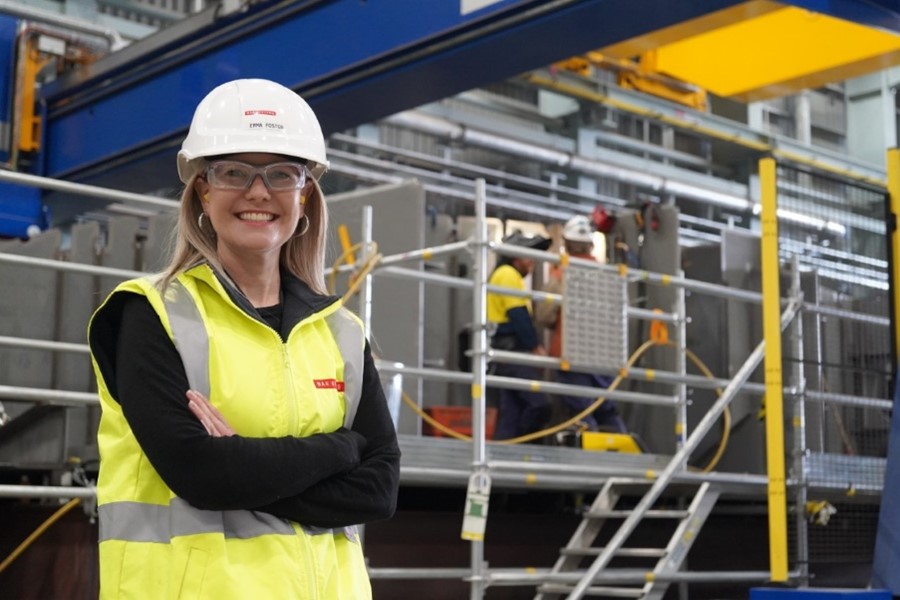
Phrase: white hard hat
(253, 115)
(578, 229)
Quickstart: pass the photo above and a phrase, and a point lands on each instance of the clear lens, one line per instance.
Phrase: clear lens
(234, 175)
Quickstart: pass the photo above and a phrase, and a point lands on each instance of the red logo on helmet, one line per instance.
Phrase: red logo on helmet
(268, 113)
(329, 384)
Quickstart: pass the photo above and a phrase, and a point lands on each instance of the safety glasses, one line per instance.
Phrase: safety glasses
(236, 175)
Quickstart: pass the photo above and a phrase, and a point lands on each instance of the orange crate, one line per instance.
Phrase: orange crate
(459, 419)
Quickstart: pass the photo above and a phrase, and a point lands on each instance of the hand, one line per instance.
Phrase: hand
(209, 416)
(539, 350)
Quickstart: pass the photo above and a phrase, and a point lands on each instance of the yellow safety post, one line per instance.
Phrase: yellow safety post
(893, 172)
(774, 401)
(346, 244)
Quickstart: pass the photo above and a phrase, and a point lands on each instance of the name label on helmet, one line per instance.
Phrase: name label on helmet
(261, 124)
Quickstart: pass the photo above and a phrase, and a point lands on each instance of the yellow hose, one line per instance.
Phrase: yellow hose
(600, 400)
(348, 252)
(358, 277)
(726, 415)
(37, 532)
(375, 257)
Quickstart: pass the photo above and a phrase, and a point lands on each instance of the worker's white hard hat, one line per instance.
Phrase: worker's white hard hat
(578, 229)
(252, 115)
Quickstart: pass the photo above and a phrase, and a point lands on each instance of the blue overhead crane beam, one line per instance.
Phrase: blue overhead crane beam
(354, 60)
(884, 14)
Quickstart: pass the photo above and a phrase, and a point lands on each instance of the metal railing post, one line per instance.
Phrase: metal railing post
(365, 292)
(798, 382)
(479, 370)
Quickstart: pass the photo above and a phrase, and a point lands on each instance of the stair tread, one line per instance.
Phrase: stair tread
(651, 514)
(617, 592)
(632, 552)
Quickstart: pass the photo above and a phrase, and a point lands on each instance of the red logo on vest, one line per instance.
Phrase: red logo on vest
(329, 384)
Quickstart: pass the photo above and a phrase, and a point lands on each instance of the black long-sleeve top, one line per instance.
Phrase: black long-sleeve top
(521, 327)
(325, 480)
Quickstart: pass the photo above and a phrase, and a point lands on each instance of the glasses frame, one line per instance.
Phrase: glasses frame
(256, 171)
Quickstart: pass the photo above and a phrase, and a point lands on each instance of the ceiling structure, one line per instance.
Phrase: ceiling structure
(762, 49)
(357, 62)
(120, 122)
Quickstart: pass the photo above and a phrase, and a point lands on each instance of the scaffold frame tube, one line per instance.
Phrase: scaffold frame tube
(513, 383)
(45, 491)
(678, 459)
(53, 346)
(82, 189)
(64, 265)
(45, 396)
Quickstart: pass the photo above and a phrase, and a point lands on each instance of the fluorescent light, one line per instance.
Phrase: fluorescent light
(807, 220)
(725, 200)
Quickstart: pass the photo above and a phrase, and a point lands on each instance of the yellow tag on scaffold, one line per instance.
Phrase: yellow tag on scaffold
(475, 516)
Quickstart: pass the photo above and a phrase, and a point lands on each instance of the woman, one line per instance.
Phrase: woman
(244, 430)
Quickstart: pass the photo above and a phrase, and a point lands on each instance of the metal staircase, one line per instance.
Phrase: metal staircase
(663, 561)
(565, 580)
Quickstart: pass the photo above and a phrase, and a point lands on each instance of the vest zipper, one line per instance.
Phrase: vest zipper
(293, 412)
(304, 547)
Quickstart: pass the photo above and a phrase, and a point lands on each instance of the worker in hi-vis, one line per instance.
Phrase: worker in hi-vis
(244, 431)
(520, 412)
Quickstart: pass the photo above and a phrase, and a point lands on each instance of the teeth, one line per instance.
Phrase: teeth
(256, 216)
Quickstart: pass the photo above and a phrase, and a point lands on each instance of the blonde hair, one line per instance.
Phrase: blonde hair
(302, 255)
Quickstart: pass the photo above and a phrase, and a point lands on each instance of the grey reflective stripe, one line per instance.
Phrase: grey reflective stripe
(351, 532)
(192, 342)
(348, 334)
(350, 339)
(190, 336)
(313, 530)
(140, 522)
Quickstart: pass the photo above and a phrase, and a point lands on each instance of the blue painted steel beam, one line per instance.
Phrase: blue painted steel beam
(354, 60)
(8, 34)
(884, 14)
(885, 571)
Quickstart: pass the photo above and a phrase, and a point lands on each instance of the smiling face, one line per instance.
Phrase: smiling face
(256, 220)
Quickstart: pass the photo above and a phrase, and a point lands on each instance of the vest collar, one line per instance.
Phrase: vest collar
(300, 301)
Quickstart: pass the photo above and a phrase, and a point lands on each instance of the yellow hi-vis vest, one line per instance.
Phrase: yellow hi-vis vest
(154, 544)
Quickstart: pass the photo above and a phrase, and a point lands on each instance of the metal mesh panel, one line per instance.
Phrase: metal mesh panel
(847, 537)
(840, 354)
(594, 324)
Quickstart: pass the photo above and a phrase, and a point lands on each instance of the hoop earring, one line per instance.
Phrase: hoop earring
(200, 220)
(305, 227)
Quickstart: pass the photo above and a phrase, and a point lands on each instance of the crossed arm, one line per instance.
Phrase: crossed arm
(346, 477)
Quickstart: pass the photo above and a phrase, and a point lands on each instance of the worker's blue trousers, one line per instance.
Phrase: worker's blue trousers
(520, 412)
(606, 416)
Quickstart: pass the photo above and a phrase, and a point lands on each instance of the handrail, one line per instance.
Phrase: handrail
(678, 461)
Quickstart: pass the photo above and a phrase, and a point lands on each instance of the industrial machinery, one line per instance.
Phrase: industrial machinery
(434, 177)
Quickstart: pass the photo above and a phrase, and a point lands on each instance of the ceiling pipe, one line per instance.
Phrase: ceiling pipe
(444, 128)
(15, 9)
(447, 129)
